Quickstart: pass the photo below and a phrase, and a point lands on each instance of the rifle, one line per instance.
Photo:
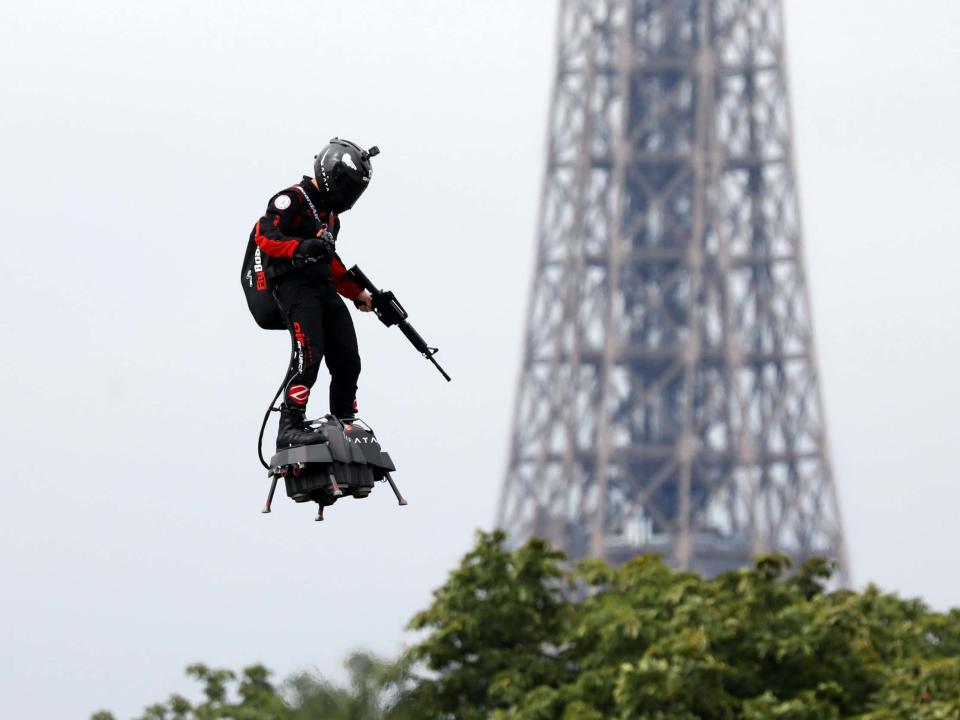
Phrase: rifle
(391, 312)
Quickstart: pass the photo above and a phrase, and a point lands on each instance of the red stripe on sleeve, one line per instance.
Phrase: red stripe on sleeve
(345, 286)
(275, 248)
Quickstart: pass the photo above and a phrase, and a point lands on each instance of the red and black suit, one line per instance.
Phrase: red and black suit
(318, 319)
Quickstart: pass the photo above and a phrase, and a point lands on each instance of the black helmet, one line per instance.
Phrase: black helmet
(343, 171)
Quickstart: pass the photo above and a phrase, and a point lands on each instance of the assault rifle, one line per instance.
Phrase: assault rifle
(391, 312)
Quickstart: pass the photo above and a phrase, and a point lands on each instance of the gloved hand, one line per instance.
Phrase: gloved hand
(321, 248)
(364, 302)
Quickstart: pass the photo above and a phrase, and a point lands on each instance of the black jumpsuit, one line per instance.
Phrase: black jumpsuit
(317, 317)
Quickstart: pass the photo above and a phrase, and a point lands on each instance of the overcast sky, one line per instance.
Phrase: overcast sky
(140, 141)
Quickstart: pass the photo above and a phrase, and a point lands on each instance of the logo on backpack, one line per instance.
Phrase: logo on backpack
(258, 269)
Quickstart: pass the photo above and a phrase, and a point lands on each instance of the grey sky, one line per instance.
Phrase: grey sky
(140, 141)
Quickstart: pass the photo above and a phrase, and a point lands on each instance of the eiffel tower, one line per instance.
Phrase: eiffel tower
(668, 399)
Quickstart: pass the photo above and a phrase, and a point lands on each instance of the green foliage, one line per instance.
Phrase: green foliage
(371, 691)
(303, 697)
(520, 635)
(490, 631)
(506, 640)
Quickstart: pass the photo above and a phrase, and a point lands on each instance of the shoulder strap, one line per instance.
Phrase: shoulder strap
(313, 209)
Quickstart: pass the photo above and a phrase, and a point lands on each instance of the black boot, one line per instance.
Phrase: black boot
(293, 430)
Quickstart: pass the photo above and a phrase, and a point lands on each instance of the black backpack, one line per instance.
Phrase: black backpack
(258, 288)
(258, 273)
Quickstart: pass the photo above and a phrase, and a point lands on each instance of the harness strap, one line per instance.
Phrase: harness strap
(273, 272)
(316, 215)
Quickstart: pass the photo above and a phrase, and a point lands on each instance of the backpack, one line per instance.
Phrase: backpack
(258, 273)
(257, 288)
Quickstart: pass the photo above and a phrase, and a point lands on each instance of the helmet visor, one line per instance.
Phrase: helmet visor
(349, 186)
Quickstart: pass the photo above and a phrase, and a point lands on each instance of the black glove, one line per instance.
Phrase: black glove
(321, 248)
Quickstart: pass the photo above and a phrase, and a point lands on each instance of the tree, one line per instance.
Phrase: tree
(492, 629)
(506, 639)
(522, 635)
(370, 693)
(303, 697)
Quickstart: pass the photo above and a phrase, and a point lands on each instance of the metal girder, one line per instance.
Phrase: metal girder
(668, 399)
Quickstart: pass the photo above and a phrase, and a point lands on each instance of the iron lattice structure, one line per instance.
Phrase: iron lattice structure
(668, 400)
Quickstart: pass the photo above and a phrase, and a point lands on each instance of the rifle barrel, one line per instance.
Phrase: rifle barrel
(437, 366)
